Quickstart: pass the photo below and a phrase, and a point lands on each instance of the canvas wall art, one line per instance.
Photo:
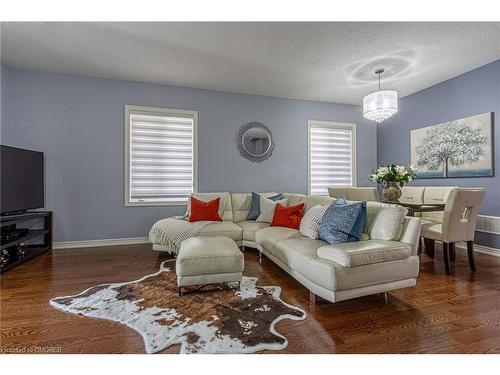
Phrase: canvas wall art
(458, 148)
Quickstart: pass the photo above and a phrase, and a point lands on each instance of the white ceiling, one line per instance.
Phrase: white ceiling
(331, 62)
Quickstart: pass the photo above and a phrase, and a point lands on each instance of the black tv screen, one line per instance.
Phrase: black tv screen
(22, 185)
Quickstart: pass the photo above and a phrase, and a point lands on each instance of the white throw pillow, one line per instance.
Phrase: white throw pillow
(267, 207)
(309, 226)
(384, 221)
(207, 197)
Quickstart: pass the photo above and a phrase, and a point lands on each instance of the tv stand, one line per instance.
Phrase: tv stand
(20, 244)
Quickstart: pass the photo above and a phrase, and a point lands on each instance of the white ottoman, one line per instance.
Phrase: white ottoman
(208, 260)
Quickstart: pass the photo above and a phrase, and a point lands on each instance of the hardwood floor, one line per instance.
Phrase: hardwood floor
(442, 314)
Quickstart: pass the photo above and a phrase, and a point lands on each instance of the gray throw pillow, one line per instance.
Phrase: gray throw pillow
(254, 212)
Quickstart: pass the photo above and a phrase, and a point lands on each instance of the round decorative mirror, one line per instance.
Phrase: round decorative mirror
(254, 142)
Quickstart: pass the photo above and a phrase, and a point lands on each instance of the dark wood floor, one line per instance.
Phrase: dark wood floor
(442, 314)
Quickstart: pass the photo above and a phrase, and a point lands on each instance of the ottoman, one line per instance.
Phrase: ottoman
(208, 260)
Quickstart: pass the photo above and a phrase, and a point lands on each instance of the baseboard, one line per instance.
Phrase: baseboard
(488, 224)
(98, 243)
(141, 240)
(480, 249)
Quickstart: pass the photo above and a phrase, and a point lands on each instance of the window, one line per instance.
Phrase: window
(332, 155)
(160, 156)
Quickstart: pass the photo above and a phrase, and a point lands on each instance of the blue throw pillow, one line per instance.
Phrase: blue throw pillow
(357, 229)
(338, 222)
(254, 212)
(358, 226)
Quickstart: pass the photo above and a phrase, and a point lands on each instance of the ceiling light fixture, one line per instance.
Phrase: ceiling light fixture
(380, 105)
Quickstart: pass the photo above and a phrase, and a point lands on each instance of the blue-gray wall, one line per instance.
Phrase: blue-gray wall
(78, 122)
(472, 93)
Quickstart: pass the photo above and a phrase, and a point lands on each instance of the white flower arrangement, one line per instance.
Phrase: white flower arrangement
(393, 173)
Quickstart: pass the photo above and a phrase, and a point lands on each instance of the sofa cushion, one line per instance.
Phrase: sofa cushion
(268, 237)
(300, 254)
(384, 221)
(223, 228)
(314, 200)
(250, 227)
(352, 254)
(294, 199)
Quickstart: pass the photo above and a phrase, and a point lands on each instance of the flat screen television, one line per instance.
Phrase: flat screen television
(22, 185)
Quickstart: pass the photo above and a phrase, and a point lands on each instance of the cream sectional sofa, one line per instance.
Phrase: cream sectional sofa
(385, 259)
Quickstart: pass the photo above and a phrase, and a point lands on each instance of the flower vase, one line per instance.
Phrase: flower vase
(392, 192)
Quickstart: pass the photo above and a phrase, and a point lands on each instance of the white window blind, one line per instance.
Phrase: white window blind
(161, 155)
(331, 155)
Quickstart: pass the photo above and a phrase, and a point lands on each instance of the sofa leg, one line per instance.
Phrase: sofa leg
(386, 298)
(181, 293)
(446, 256)
(470, 253)
(243, 248)
(312, 297)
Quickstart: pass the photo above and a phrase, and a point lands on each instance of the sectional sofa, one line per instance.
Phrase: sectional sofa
(385, 259)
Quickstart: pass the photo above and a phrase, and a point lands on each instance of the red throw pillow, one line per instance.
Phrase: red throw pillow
(288, 216)
(201, 211)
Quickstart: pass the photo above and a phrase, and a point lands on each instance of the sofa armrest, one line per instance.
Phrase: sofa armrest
(411, 233)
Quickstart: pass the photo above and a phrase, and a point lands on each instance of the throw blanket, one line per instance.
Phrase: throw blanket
(172, 231)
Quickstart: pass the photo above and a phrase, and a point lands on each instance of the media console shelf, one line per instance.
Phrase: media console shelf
(22, 243)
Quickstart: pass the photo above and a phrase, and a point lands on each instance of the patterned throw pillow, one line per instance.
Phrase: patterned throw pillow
(254, 212)
(309, 226)
(267, 207)
(338, 222)
(357, 229)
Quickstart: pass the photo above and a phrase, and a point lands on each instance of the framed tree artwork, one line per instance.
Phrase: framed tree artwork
(458, 148)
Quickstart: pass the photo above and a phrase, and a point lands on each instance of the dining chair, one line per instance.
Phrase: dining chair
(412, 194)
(354, 193)
(459, 224)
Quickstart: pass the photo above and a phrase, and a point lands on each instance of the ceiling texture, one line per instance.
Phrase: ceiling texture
(324, 61)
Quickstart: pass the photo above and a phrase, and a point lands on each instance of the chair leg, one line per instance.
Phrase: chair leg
(429, 247)
(452, 252)
(470, 253)
(446, 256)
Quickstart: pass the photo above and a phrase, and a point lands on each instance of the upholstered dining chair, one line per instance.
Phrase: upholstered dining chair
(354, 193)
(459, 224)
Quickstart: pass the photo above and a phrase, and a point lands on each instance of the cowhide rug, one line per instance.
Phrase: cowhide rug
(218, 319)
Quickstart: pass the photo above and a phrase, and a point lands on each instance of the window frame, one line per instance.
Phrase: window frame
(129, 109)
(333, 125)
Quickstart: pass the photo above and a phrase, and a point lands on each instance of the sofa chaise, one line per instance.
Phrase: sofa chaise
(385, 259)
